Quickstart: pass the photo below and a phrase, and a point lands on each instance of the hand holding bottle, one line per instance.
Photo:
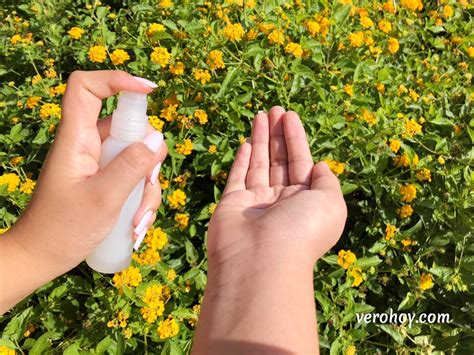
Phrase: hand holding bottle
(76, 204)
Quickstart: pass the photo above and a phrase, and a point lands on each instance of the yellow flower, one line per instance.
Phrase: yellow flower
(119, 56)
(212, 207)
(155, 28)
(366, 22)
(295, 49)
(426, 282)
(389, 7)
(156, 123)
(276, 37)
(156, 239)
(165, 3)
(234, 32)
(212, 149)
(346, 258)
(50, 73)
(423, 175)
(15, 39)
(6, 351)
(385, 26)
(368, 117)
(406, 242)
(168, 328)
(32, 101)
(401, 89)
(349, 89)
(148, 257)
(129, 277)
(411, 128)
(390, 231)
(75, 32)
(202, 75)
(36, 79)
(60, 89)
(356, 38)
(171, 275)
(413, 95)
(16, 160)
(470, 52)
(169, 113)
(313, 27)
(448, 11)
(161, 56)
(177, 69)
(441, 160)
(393, 45)
(395, 145)
(351, 350)
(12, 181)
(186, 148)
(48, 110)
(28, 186)
(413, 5)
(356, 273)
(97, 54)
(182, 220)
(177, 199)
(214, 60)
(335, 166)
(405, 211)
(380, 88)
(408, 192)
(201, 115)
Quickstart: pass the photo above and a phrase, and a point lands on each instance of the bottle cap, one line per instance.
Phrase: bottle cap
(129, 119)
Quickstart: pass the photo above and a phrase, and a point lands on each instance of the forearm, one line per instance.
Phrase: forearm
(22, 269)
(258, 304)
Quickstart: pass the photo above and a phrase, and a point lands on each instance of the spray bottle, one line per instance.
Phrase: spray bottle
(129, 124)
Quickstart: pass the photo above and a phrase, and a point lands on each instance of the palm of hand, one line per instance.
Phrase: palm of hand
(276, 195)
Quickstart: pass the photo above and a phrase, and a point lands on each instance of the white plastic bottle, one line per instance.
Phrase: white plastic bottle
(129, 123)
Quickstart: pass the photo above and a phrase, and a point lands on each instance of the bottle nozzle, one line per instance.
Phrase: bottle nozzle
(129, 120)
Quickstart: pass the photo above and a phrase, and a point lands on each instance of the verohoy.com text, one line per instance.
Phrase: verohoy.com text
(409, 319)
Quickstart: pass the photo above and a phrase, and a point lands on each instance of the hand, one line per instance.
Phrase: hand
(278, 214)
(277, 202)
(76, 204)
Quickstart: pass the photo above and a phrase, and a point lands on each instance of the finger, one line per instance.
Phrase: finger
(128, 168)
(278, 154)
(324, 179)
(152, 175)
(259, 169)
(84, 94)
(103, 125)
(138, 238)
(300, 162)
(240, 167)
(150, 203)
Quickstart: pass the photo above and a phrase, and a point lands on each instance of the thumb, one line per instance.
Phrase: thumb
(130, 166)
(324, 179)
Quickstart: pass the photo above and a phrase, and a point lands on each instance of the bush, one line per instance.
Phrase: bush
(386, 98)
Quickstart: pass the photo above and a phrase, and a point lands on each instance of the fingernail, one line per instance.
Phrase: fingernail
(143, 224)
(261, 111)
(153, 141)
(139, 240)
(154, 174)
(248, 140)
(146, 82)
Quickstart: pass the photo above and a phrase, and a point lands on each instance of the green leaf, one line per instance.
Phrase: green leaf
(231, 75)
(17, 325)
(340, 15)
(365, 263)
(407, 302)
(185, 313)
(395, 334)
(348, 187)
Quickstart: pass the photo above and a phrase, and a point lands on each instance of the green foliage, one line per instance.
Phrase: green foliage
(350, 118)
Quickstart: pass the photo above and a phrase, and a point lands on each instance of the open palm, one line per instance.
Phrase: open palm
(275, 196)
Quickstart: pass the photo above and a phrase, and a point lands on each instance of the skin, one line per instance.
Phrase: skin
(75, 205)
(278, 215)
